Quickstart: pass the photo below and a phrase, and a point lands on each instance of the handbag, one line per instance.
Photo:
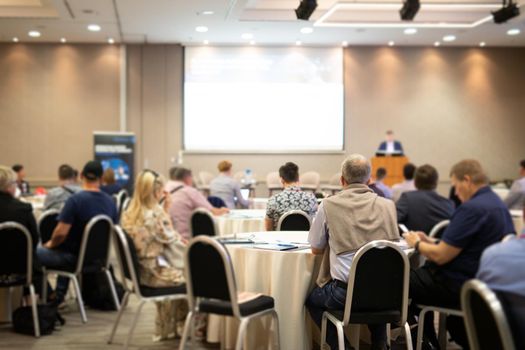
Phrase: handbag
(48, 319)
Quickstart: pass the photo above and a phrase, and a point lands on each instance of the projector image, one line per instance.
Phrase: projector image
(305, 9)
(505, 13)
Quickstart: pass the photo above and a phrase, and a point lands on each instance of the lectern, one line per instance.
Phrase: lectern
(394, 168)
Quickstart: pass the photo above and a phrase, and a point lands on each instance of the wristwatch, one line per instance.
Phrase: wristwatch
(416, 246)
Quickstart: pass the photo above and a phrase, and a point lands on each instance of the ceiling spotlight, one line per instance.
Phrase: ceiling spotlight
(206, 13)
(298, 43)
(63, 40)
(247, 36)
(409, 10)
(449, 38)
(482, 44)
(15, 39)
(514, 31)
(252, 42)
(201, 29)
(410, 31)
(111, 41)
(391, 43)
(508, 11)
(307, 30)
(344, 43)
(437, 43)
(305, 9)
(34, 34)
(94, 28)
(205, 42)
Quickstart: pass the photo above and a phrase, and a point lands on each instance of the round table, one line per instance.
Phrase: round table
(241, 220)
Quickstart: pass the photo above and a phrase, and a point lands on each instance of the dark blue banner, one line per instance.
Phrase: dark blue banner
(117, 151)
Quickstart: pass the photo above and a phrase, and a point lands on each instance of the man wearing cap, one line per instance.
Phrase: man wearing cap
(61, 251)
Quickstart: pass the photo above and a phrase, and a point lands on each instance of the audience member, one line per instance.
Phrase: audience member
(516, 196)
(109, 184)
(380, 176)
(290, 198)
(57, 196)
(61, 251)
(185, 199)
(12, 209)
(479, 222)
(160, 249)
(376, 189)
(338, 236)
(407, 185)
(420, 210)
(22, 185)
(226, 188)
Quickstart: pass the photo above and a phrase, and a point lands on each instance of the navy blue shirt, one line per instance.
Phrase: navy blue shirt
(476, 224)
(111, 189)
(78, 210)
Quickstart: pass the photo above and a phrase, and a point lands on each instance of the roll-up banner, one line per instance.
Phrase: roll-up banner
(116, 150)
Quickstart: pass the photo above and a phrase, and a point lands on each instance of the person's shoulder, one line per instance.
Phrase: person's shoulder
(20, 206)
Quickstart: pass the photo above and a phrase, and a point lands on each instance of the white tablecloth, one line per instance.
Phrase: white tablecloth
(259, 203)
(241, 220)
(517, 218)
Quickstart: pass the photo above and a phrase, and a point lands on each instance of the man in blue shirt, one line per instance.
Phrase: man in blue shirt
(61, 251)
(479, 222)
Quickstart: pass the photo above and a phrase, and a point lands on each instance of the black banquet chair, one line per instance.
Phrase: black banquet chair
(130, 278)
(212, 290)
(47, 223)
(203, 223)
(16, 263)
(294, 220)
(485, 319)
(377, 291)
(92, 257)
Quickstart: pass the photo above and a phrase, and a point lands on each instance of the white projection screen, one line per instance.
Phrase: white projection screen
(256, 99)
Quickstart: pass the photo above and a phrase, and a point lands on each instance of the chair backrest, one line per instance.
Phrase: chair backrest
(485, 319)
(209, 272)
(335, 180)
(216, 202)
(310, 180)
(96, 242)
(47, 223)
(122, 197)
(438, 229)
(202, 223)
(205, 178)
(294, 220)
(16, 250)
(127, 258)
(273, 180)
(378, 280)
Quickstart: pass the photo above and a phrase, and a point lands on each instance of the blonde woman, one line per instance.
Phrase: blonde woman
(159, 248)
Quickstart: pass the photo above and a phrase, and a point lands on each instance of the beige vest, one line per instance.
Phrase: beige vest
(356, 216)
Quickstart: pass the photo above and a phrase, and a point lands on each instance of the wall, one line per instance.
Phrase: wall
(52, 98)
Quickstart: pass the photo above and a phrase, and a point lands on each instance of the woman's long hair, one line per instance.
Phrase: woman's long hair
(146, 185)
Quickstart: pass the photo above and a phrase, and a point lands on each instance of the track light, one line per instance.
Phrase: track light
(305, 9)
(409, 10)
(508, 11)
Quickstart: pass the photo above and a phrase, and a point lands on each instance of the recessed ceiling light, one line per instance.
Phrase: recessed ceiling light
(205, 42)
(482, 44)
(437, 43)
(391, 43)
(307, 30)
(63, 40)
(111, 41)
(514, 31)
(344, 43)
(94, 28)
(201, 29)
(410, 31)
(449, 38)
(247, 36)
(15, 39)
(252, 42)
(298, 43)
(34, 34)
(207, 13)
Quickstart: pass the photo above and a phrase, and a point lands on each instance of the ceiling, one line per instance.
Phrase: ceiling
(271, 22)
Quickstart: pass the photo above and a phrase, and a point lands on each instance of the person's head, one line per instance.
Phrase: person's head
(522, 168)
(225, 166)
(355, 169)
(183, 175)
(20, 171)
(7, 180)
(92, 173)
(108, 177)
(66, 173)
(468, 177)
(389, 135)
(408, 171)
(426, 177)
(289, 173)
(147, 193)
(380, 174)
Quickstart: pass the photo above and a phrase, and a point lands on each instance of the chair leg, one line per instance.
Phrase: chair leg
(420, 327)
(388, 335)
(408, 336)
(187, 327)
(134, 324)
(442, 331)
(113, 289)
(276, 333)
(80, 301)
(34, 307)
(119, 316)
(340, 335)
(323, 332)
(240, 335)
(44, 285)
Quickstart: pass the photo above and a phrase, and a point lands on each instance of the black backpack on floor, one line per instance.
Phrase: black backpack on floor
(96, 291)
(48, 318)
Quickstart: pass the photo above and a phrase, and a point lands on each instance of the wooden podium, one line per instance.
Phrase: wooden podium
(394, 168)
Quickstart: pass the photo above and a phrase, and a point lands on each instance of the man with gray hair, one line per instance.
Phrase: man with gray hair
(185, 199)
(338, 235)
